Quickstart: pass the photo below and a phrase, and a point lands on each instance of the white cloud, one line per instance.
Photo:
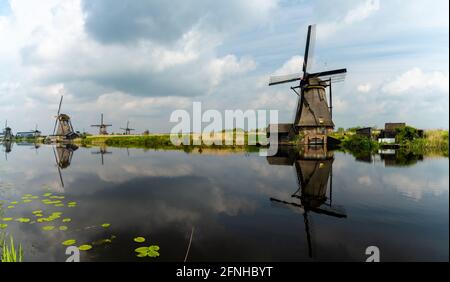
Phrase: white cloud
(364, 88)
(362, 11)
(353, 16)
(276, 100)
(291, 66)
(219, 68)
(417, 80)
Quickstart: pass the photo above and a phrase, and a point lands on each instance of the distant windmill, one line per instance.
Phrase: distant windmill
(127, 129)
(63, 126)
(7, 132)
(313, 117)
(102, 127)
(36, 132)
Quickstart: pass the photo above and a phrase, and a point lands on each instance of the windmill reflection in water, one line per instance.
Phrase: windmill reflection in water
(314, 169)
(63, 157)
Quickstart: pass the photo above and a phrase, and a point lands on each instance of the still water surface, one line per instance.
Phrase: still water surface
(322, 206)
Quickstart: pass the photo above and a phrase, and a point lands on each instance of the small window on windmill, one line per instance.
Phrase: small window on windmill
(320, 120)
(321, 96)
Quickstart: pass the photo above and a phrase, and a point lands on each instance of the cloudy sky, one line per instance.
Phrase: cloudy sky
(141, 60)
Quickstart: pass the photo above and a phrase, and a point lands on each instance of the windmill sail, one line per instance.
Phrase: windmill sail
(279, 79)
(57, 114)
(309, 49)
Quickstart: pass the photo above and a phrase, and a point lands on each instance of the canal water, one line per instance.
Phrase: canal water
(314, 205)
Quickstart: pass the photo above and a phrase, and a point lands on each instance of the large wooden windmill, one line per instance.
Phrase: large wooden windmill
(102, 127)
(127, 129)
(63, 126)
(313, 117)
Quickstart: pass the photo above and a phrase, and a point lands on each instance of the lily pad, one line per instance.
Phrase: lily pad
(69, 242)
(23, 219)
(3, 225)
(7, 219)
(66, 220)
(141, 249)
(106, 225)
(14, 202)
(139, 239)
(10, 207)
(153, 251)
(85, 247)
(27, 201)
(36, 211)
(47, 194)
(63, 228)
(48, 228)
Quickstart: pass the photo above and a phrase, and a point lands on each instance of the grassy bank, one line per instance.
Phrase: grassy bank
(432, 142)
(163, 142)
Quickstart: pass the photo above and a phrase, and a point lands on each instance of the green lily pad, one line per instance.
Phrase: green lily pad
(139, 239)
(106, 225)
(36, 211)
(47, 194)
(142, 255)
(7, 219)
(48, 228)
(85, 247)
(66, 220)
(27, 201)
(23, 219)
(10, 207)
(153, 251)
(14, 202)
(141, 250)
(63, 228)
(3, 225)
(69, 242)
